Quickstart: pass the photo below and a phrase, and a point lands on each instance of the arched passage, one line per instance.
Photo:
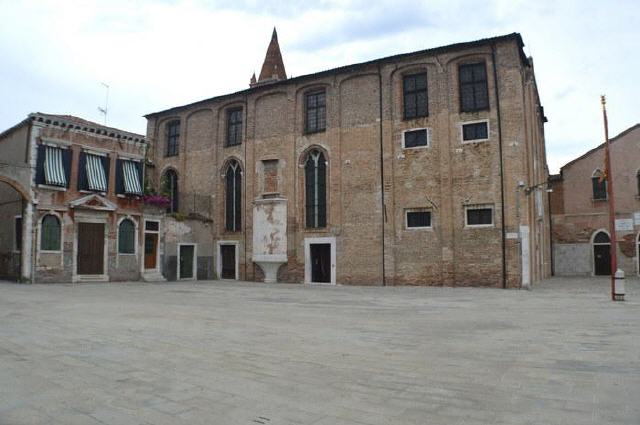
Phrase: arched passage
(14, 230)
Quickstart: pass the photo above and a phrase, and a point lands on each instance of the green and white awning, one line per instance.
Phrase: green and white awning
(132, 184)
(96, 177)
(53, 169)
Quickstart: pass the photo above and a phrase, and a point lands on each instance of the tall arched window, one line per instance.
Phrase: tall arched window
(170, 189)
(599, 185)
(233, 197)
(315, 187)
(51, 232)
(601, 254)
(126, 237)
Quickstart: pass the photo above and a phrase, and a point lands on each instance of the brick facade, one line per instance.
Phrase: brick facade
(577, 217)
(371, 180)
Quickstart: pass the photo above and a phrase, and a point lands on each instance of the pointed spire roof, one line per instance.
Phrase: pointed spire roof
(273, 66)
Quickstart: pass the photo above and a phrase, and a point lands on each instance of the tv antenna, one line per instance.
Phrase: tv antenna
(104, 110)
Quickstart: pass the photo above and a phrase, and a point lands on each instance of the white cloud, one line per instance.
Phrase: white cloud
(159, 54)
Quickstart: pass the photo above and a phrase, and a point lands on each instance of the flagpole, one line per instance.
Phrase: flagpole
(612, 209)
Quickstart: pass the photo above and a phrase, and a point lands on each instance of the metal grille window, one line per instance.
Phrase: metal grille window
(418, 219)
(234, 127)
(474, 94)
(475, 131)
(414, 88)
(599, 186)
(479, 216)
(50, 233)
(316, 115)
(173, 138)
(315, 172)
(233, 198)
(126, 237)
(170, 189)
(416, 138)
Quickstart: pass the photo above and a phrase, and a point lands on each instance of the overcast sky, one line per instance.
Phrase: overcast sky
(164, 53)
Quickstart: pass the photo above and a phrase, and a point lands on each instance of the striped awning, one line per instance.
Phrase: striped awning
(96, 177)
(131, 178)
(53, 169)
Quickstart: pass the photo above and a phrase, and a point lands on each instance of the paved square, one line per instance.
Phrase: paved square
(243, 353)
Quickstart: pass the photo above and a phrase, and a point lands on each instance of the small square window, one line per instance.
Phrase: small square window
(152, 226)
(476, 131)
(418, 219)
(416, 138)
(479, 216)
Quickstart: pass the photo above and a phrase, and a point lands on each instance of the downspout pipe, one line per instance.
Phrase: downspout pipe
(502, 209)
(382, 200)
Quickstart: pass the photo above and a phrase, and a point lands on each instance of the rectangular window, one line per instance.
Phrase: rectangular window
(475, 131)
(599, 188)
(474, 93)
(53, 167)
(18, 234)
(152, 226)
(416, 138)
(234, 127)
(479, 216)
(414, 89)
(173, 138)
(128, 177)
(418, 219)
(316, 115)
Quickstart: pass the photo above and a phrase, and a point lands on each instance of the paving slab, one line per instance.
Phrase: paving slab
(248, 353)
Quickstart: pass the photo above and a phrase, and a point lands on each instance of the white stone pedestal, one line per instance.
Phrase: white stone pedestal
(270, 236)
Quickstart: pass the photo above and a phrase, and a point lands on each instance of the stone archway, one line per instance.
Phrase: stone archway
(16, 229)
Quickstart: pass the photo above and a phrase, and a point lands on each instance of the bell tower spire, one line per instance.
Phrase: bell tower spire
(273, 67)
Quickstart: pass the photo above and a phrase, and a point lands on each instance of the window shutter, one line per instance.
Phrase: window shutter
(309, 185)
(67, 155)
(322, 192)
(119, 177)
(105, 164)
(140, 176)
(238, 200)
(82, 172)
(42, 152)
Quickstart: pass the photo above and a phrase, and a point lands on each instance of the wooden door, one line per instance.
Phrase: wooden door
(186, 261)
(228, 253)
(321, 263)
(150, 250)
(90, 248)
(602, 258)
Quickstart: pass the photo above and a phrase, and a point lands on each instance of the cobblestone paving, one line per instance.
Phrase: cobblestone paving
(246, 353)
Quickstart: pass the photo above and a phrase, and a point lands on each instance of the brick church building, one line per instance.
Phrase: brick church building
(424, 168)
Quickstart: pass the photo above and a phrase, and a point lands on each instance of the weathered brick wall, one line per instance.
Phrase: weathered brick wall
(445, 177)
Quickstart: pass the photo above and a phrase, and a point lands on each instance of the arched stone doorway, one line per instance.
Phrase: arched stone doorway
(15, 231)
(601, 243)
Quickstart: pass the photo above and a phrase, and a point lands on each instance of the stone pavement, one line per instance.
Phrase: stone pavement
(247, 353)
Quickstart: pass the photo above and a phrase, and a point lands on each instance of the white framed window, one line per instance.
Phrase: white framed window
(417, 218)
(127, 236)
(474, 131)
(51, 233)
(416, 138)
(479, 215)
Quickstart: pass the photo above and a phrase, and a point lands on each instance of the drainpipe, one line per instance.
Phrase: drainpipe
(503, 226)
(382, 200)
(244, 183)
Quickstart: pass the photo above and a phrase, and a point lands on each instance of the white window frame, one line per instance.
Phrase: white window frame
(427, 146)
(467, 142)
(410, 210)
(479, 207)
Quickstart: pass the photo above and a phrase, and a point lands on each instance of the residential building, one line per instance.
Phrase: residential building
(580, 210)
(71, 203)
(425, 168)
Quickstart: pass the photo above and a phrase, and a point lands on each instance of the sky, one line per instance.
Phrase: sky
(156, 54)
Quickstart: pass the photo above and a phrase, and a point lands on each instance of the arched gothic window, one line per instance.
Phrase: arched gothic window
(315, 175)
(170, 189)
(50, 238)
(599, 185)
(126, 237)
(233, 197)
